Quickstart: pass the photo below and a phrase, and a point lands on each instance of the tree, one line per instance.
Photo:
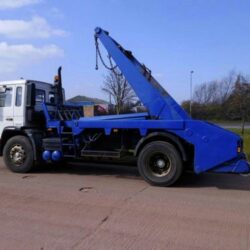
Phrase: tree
(210, 98)
(116, 86)
(217, 91)
(206, 92)
(239, 101)
(226, 86)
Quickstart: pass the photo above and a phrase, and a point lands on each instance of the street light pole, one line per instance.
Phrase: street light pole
(191, 92)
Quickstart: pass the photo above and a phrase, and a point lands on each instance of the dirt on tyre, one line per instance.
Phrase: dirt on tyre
(18, 154)
(160, 164)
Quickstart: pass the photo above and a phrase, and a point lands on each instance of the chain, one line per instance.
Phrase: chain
(111, 67)
(114, 67)
(98, 54)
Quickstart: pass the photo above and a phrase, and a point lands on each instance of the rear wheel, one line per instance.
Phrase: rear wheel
(18, 154)
(160, 164)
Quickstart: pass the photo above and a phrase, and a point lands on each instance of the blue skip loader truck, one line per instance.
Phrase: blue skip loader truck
(165, 141)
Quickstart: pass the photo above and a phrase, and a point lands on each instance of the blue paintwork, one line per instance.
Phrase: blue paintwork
(215, 149)
(237, 166)
(214, 146)
(56, 155)
(46, 155)
(116, 117)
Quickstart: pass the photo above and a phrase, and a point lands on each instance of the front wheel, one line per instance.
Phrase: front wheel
(18, 154)
(160, 164)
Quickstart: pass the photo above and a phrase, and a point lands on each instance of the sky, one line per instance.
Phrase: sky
(172, 37)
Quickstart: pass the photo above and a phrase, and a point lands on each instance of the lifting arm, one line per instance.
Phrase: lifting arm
(159, 103)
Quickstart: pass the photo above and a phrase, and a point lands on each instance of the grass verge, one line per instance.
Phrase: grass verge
(246, 138)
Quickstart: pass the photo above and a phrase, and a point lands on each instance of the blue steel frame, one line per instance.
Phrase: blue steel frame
(215, 149)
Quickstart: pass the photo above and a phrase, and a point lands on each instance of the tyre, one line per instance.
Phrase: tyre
(160, 164)
(18, 154)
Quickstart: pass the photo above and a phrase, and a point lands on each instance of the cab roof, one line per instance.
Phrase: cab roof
(22, 81)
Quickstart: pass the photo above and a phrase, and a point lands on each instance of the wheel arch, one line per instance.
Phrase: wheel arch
(10, 132)
(162, 136)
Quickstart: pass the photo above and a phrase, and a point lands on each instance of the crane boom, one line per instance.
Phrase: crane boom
(160, 104)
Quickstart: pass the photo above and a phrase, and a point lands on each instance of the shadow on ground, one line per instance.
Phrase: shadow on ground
(220, 181)
(188, 180)
(82, 168)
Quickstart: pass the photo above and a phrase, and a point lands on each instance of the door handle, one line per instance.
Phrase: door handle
(9, 119)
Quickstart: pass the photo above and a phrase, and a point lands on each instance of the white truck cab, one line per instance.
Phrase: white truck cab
(22, 121)
(16, 101)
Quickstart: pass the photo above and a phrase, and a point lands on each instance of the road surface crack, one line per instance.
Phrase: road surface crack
(85, 189)
(92, 232)
(106, 218)
(28, 177)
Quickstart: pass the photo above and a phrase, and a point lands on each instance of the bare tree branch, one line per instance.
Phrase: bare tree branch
(116, 86)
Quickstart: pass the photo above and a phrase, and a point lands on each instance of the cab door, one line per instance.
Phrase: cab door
(18, 106)
(6, 107)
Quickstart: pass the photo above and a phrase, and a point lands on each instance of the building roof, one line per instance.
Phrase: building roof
(81, 98)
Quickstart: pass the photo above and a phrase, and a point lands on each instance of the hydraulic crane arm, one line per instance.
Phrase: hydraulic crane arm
(159, 103)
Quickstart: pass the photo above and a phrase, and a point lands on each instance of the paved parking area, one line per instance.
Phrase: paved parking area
(111, 207)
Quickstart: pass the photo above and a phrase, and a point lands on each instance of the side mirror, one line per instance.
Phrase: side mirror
(31, 95)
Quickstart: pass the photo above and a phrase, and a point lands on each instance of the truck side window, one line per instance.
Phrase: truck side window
(51, 97)
(5, 98)
(18, 96)
(40, 95)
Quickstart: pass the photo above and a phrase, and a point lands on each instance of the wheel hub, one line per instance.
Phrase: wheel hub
(160, 165)
(17, 154)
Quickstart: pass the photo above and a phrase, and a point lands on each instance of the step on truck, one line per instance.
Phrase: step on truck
(36, 126)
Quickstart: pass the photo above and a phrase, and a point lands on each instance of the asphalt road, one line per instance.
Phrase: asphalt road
(111, 207)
